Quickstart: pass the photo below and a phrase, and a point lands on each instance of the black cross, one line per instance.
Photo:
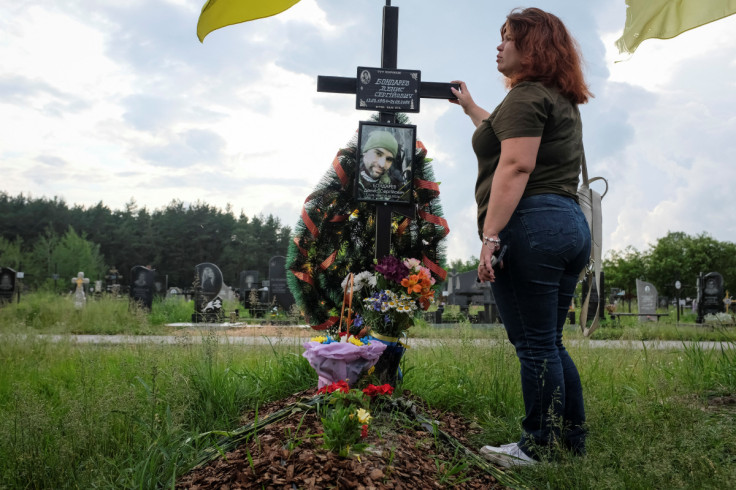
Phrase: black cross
(348, 85)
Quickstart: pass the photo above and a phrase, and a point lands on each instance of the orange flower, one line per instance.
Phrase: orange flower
(412, 283)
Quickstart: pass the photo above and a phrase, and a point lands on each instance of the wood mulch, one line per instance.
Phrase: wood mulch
(403, 456)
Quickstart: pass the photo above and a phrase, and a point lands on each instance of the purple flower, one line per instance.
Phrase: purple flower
(358, 321)
(392, 268)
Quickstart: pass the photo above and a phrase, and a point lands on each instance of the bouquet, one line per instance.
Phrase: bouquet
(391, 297)
(343, 360)
(385, 302)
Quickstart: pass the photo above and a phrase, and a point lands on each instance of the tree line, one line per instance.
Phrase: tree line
(674, 257)
(48, 239)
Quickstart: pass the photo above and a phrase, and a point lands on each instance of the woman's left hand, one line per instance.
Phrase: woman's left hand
(485, 269)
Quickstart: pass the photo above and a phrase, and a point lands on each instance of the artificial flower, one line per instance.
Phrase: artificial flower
(412, 264)
(362, 280)
(341, 385)
(364, 416)
(356, 341)
(391, 268)
(373, 390)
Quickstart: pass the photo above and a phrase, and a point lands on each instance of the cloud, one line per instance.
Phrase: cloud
(106, 100)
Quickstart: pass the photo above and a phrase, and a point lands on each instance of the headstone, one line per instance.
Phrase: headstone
(248, 282)
(112, 281)
(277, 282)
(209, 279)
(207, 285)
(710, 295)
(463, 290)
(79, 298)
(7, 284)
(647, 297)
(160, 284)
(142, 285)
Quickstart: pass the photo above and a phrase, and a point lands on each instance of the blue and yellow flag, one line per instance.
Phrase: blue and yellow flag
(665, 19)
(221, 13)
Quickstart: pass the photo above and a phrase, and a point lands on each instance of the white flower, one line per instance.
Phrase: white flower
(361, 280)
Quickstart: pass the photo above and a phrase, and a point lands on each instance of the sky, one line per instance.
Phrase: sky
(119, 102)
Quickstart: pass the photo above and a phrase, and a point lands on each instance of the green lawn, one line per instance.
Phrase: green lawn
(123, 416)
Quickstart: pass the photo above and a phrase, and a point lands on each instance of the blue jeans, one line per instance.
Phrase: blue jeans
(548, 245)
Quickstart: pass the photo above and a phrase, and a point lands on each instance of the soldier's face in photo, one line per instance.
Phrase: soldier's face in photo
(377, 161)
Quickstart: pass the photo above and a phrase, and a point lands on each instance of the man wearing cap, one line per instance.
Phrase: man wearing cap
(377, 180)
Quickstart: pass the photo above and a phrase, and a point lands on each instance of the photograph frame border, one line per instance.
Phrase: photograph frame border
(366, 128)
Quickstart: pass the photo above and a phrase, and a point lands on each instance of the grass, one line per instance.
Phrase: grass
(124, 416)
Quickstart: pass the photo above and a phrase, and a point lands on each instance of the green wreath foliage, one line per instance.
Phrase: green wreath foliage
(339, 234)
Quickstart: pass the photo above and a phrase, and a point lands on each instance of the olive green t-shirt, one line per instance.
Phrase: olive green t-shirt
(532, 109)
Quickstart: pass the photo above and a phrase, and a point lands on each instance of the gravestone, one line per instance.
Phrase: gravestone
(646, 295)
(710, 295)
(207, 285)
(7, 284)
(277, 282)
(160, 284)
(248, 282)
(463, 290)
(79, 298)
(142, 286)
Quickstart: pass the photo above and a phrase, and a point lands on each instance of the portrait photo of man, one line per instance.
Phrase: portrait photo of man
(384, 170)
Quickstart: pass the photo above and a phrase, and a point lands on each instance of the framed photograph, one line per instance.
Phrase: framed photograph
(385, 159)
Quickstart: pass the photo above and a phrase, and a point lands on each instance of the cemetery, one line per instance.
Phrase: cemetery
(350, 354)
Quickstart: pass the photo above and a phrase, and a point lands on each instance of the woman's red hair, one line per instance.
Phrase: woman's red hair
(549, 54)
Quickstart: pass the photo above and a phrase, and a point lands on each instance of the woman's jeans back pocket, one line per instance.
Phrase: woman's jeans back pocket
(549, 230)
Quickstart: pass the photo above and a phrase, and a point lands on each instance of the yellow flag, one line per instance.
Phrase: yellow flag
(221, 13)
(665, 19)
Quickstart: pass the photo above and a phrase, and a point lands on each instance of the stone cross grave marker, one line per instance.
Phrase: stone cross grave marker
(388, 90)
(79, 298)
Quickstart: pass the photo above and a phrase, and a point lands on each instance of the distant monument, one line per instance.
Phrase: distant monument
(248, 282)
(279, 290)
(79, 298)
(142, 286)
(710, 295)
(207, 286)
(7, 284)
(646, 295)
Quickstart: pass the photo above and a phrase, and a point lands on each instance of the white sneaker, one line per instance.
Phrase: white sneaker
(508, 455)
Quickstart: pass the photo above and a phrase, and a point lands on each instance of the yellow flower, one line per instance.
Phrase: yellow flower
(355, 341)
(364, 416)
(319, 339)
(370, 371)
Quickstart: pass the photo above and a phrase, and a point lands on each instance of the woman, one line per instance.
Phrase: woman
(529, 153)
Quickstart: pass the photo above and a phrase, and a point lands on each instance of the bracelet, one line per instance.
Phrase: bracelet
(495, 241)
